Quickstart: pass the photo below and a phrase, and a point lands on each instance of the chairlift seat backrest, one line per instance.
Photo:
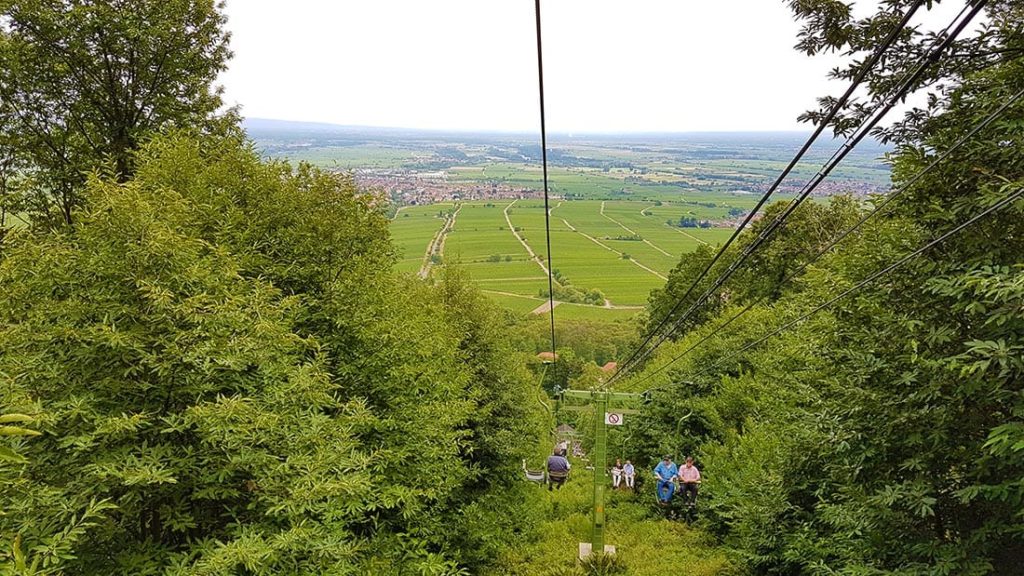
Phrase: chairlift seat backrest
(535, 476)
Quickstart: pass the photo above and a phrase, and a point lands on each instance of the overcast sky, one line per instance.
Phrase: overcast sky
(610, 66)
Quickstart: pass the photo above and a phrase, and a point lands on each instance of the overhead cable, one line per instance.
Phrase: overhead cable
(836, 108)
(544, 163)
(1006, 201)
(839, 239)
(862, 132)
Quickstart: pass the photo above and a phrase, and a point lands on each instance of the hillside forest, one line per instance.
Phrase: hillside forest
(209, 363)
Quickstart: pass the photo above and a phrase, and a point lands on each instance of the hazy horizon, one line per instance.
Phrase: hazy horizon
(262, 122)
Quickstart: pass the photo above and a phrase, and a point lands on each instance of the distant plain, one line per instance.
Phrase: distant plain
(617, 201)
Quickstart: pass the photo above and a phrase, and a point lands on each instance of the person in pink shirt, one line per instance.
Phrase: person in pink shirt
(689, 478)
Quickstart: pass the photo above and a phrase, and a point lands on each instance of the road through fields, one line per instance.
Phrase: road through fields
(523, 242)
(630, 230)
(622, 248)
(437, 244)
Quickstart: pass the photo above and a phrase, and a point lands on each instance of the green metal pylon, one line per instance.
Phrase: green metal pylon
(601, 401)
(600, 460)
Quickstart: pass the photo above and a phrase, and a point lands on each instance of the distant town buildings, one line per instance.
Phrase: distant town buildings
(828, 187)
(409, 187)
(412, 187)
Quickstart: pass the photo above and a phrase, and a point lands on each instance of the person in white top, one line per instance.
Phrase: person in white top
(629, 473)
(617, 473)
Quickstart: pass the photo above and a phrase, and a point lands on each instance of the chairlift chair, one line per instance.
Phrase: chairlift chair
(533, 475)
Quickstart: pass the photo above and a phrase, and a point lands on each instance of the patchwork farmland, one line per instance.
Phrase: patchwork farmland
(475, 200)
(624, 249)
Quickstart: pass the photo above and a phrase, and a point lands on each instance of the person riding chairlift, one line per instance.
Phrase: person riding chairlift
(629, 473)
(689, 478)
(617, 474)
(558, 469)
(666, 472)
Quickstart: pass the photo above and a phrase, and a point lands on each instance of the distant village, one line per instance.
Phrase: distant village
(828, 187)
(411, 187)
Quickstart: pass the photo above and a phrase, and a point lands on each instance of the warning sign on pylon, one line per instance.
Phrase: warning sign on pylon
(613, 419)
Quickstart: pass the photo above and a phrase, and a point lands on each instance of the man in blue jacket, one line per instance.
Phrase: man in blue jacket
(666, 471)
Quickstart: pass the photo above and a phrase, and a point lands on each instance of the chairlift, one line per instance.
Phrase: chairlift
(537, 476)
(676, 457)
(540, 476)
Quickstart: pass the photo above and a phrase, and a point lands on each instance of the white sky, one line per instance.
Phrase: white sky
(610, 65)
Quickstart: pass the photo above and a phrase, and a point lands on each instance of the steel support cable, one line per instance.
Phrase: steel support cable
(930, 58)
(862, 132)
(799, 198)
(837, 157)
(836, 108)
(840, 104)
(1007, 200)
(839, 239)
(544, 164)
(940, 38)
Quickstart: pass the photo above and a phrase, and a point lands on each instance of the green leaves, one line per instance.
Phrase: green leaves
(7, 454)
(1006, 439)
(15, 419)
(15, 431)
(6, 430)
(85, 84)
(221, 350)
(887, 435)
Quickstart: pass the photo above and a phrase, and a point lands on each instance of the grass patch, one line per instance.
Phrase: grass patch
(579, 312)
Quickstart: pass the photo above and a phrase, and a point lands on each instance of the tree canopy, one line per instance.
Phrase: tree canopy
(227, 374)
(884, 435)
(86, 82)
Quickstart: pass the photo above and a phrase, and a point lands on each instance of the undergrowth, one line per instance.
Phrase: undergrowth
(647, 543)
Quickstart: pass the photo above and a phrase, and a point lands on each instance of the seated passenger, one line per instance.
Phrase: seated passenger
(617, 473)
(666, 473)
(558, 469)
(689, 477)
(629, 472)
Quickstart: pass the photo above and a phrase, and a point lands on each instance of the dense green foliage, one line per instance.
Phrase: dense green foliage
(213, 367)
(85, 82)
(566, 292)
(885, 435)
(228, 377)
(807, 231)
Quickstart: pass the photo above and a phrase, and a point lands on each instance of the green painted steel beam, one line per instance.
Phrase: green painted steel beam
(601, 402)
(600, 460)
